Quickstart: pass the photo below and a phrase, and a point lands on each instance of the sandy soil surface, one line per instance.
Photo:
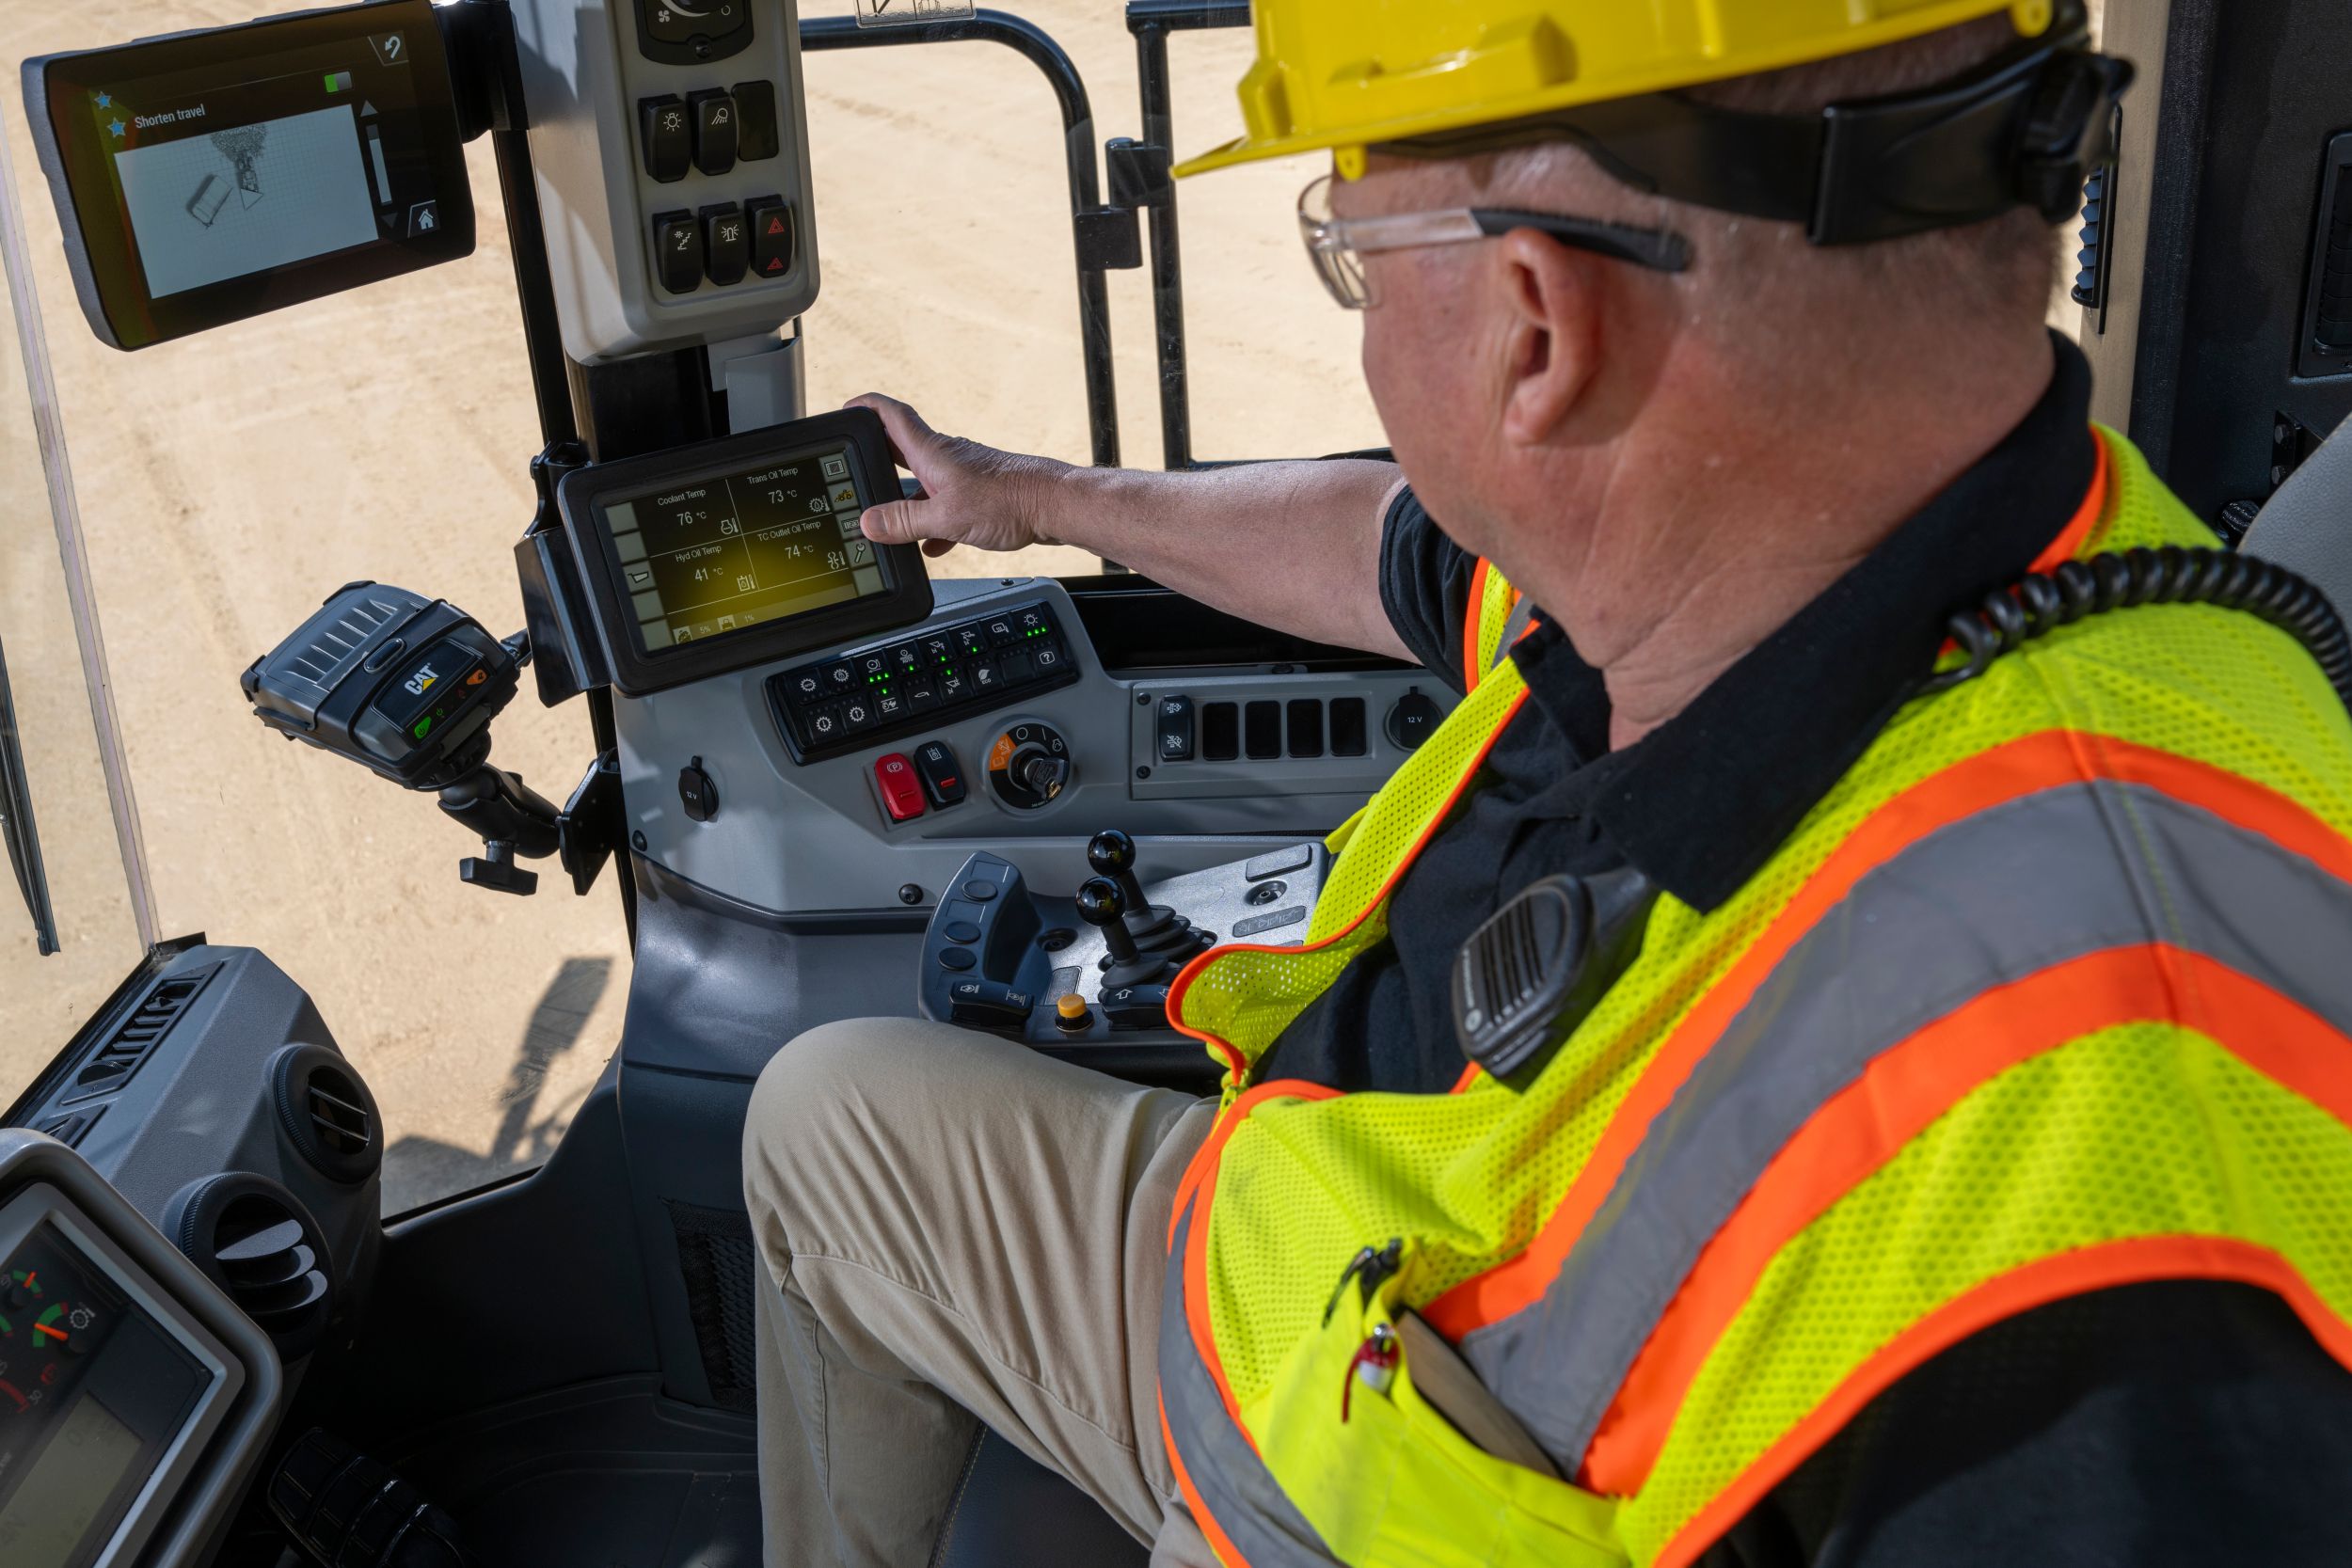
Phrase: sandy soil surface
(227, 481)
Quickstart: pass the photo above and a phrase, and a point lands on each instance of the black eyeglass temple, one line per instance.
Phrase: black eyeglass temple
(1659, 249)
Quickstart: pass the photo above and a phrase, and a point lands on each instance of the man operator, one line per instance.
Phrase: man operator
(1910, 1127)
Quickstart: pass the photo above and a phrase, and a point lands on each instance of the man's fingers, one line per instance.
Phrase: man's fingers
(909, 434)
(895, 522)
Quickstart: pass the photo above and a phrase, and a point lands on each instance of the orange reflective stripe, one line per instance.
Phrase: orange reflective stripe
(1192, 971)
(1473, 666)
(2042, 761)
(1227, 1553)
(1909, 1087)
(2077, 533)
(2068, 1274)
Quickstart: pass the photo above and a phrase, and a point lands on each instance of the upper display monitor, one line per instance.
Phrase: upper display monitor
(205, 177)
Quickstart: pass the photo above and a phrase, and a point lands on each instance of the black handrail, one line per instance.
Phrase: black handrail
(1151, 21)
(1078, 117)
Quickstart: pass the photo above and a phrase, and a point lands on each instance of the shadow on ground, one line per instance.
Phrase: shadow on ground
(419, 1170)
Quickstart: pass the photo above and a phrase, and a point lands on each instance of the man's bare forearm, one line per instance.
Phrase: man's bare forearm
(1293, 545)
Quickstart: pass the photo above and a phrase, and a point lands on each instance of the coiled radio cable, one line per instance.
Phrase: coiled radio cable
(2040, 604)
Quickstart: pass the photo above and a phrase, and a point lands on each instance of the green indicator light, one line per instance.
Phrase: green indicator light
(422, 726)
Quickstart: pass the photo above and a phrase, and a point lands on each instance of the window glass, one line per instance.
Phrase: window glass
(228, 482)
(949, 278)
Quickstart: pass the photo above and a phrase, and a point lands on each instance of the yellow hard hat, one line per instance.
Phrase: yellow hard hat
(1349, 73)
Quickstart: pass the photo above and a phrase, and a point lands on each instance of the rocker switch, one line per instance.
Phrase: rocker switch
(665, 136)
(714, 130)
(901, 790)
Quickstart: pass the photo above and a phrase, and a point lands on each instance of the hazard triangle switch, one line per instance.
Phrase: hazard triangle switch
(772, 230)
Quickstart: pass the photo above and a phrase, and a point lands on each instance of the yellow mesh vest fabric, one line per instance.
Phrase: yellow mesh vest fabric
(1467, 1179)
(2094, 1143)
(1247, 996)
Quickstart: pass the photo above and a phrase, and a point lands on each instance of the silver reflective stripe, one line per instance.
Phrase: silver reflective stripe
(1998, 897)
(1233, 1484)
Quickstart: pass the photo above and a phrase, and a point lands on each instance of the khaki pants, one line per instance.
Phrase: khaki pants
(955, 1228)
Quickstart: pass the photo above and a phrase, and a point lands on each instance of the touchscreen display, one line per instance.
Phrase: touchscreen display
(218, 175)
(702, 558)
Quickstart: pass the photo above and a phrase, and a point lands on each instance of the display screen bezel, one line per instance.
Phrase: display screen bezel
(905, 600)
(127, 1523)
(100, 243)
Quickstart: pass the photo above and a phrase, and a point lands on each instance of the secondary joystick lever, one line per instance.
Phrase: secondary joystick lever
(1155, 927)
(1102, 906)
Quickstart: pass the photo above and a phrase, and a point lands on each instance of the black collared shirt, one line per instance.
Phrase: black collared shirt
(2183, 1422)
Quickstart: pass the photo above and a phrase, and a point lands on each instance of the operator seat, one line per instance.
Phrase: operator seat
(2307, 527)
(1010, 1512)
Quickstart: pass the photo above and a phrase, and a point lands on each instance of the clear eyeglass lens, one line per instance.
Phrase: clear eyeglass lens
(1335, 260)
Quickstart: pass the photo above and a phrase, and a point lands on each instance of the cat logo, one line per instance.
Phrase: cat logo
(421, 682)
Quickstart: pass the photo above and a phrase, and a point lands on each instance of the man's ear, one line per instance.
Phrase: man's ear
(1551, 334)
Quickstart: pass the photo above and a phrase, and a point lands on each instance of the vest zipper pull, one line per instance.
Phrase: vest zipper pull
(1373, 1365)
(1369, 1267)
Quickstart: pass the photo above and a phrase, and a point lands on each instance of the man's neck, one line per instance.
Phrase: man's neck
(1720, 529)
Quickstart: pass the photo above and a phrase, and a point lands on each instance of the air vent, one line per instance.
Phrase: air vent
(73, 1127)
(327, 1112)
(253, 1239)
(119, 1055)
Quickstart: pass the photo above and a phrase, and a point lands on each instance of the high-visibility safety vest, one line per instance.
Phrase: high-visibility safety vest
(2049, 993)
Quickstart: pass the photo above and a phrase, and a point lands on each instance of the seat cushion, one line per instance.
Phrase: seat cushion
(1010, 1512)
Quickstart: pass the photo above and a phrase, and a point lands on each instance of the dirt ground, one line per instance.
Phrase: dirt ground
(227, 481)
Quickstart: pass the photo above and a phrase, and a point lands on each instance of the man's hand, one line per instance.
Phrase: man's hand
(972, 495)
(1289, 545)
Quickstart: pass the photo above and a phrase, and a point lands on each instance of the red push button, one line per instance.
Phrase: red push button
(901, 789)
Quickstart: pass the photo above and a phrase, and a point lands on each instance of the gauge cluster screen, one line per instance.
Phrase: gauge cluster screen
(91, 1392)
(706, 557)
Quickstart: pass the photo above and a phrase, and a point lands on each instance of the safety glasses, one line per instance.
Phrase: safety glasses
(1338, 245)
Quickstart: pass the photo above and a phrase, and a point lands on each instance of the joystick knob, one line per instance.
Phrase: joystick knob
(1100, 905)
(1112, 854)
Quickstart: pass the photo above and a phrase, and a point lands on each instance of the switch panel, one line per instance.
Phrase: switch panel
(1243, 735)
(842, 704)
(644, 108)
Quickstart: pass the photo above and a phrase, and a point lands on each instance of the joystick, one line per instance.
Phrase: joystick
(1102, 906)
(1155, 927)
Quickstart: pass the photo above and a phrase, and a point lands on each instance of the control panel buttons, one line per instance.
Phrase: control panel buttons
(678, 250)
(1172, 725)
(956, 958)
(713, 113)
(756, 122)
(1130, 1007)
(1413, 720)
(1000, 632)
(943, 776)
(921, 680)
(990, 1003)
(901, 789)
(727, 245)
(665, 136)
(824, 724)
(772, 228)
